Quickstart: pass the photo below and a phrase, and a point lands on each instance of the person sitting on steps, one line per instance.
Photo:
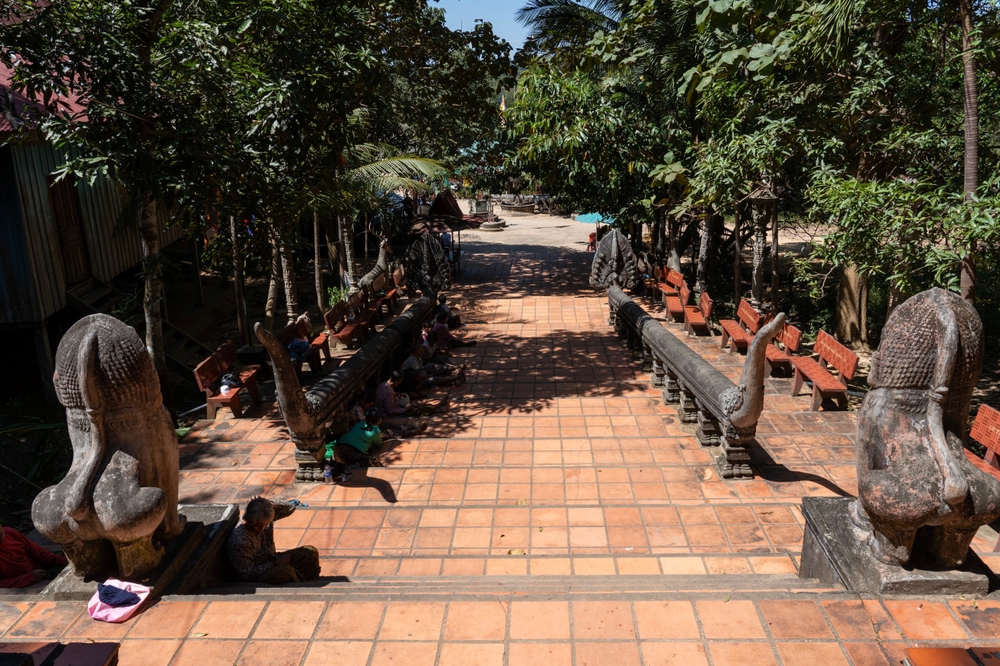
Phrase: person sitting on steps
(356, 446)
(251, 550)
(445, 335)
(453, 320)
(365, 402)
(427, 375)
(23, 562)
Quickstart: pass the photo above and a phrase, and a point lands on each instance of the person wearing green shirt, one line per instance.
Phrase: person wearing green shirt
(356, 445)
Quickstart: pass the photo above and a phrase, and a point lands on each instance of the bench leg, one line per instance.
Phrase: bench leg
(251, 385)
(797, 382)
(767, 368)
(725, 339)
(210, 410)
(235, 405)
(313, 360)
(842, 400)
(817, 400)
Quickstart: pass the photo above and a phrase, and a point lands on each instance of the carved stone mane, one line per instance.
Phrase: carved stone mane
(427, 267)
(614, 262)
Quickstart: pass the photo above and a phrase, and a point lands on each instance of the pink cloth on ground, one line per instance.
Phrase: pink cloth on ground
(105, 613)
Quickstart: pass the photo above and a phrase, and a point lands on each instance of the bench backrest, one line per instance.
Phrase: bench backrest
(748, 316)
(790, 338)
(208, 371)
(836, 354)
(986, 428)
(685, 293)
(705, 304)
(335, 317)
(673, 278)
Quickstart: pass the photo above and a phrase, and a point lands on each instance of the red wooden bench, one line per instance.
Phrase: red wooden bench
(740, 331)
(831, 353)
(986, 431)
(697, 316)
(671, 290)
(789, 338)
(208, 373)
(347, 328)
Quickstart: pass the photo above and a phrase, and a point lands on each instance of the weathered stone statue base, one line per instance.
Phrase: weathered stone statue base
(191, 561)
(834, 552)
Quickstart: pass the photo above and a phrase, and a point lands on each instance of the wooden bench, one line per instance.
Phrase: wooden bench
(300, 328)
(697, 316)
(740, 331)
(831, 353)
(345, 329)
(986, 431)
(208, 373)
(671, 290)
(781, 357)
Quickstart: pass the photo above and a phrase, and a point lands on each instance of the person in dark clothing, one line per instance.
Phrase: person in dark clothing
(23, 562)
(452, 318)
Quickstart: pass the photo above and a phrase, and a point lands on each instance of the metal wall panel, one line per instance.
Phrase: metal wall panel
(32, 163)
(112, 247)
(17, 286)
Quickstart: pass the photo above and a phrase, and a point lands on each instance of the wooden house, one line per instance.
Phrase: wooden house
(59, 241)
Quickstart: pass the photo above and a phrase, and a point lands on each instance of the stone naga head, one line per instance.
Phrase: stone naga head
(122, 485)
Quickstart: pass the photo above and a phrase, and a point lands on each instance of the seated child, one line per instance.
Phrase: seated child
(453, 320)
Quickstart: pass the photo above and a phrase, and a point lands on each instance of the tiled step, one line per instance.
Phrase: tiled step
(562, 587)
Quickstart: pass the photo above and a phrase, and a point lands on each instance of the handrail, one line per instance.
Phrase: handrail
(308, 414)
(726, 412)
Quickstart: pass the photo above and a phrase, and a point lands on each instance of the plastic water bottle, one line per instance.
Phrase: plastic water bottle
(327, 474)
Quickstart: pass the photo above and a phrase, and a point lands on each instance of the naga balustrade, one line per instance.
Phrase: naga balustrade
(310, 415)
(726, 413)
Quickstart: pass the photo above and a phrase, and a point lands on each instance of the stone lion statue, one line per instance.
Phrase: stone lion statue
(118, 502)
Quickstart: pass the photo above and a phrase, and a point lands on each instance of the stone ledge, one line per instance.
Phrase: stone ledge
(832, 553)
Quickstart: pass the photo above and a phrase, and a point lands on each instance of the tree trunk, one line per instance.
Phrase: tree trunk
(759, 210)
(336, 257)
(152, 268)
(896, 298)
(199, 293)
(288, 278)
(704, 249)
(851, 327)
(347, 240)
(737, 249)
(971, 181)
(272, 287)
(241, 301)
(775, 281)
(674, 231)
(318, 266)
